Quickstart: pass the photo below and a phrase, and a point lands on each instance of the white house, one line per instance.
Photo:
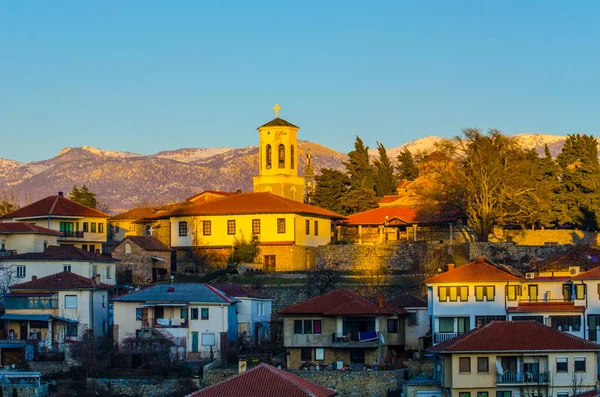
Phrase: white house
(22, 237)
(58, 259)
(197, 316)
(417, 321)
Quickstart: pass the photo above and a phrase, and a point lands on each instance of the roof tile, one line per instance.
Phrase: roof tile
(338, 302)
(530, 307)
(24, 227)
(147, 243)
(63, 252)
(277, 122)
(60, 281)
(240, 291)
(201, 293)
(479, 270)
(54, 205)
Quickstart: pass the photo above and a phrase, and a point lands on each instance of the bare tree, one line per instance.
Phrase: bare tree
(322, 280)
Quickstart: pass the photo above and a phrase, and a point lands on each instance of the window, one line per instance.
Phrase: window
(533, 292)
(204, 313)
(45, 245)
(316, 228)
(281, 155)
(306, 354)
(231, 227)
(132, 227)
(539, 319)
(21, 271)
(442, 293)
(280, 225)
(194, 314)
(482, 394)
(319, 354)
(71, 331)
(100, 227)
(392, 326)
(206, 228)
(297, 326)
(446, 324)
(103, 300)
(104, 326)
(108, 273)
(454, 293)
(307, 226)
(255, 226)
(464, 394)
(316, 327)
(562, 394)
(268, 156)
(85, 248)
(66, 268)
(94, 270)
(566, 323)
(92, 248)
(260, 309)
(183, 228)
(580, 291)
(562, 364)
(141, 313)
(70, 301)
(183, 313)
(464, 365)
(93, 227)
(480, 321)
(483, 364)
(208, 339)
(413, 318)
(488, 292)
(86, 227)
(503, 394)
(292, 157)
(580, 364)
(269, 263)
(513, 292)
(127, 248)
(308, 327)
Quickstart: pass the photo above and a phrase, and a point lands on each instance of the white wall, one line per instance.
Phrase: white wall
(414, 332)
(46, 268)
(27, 242)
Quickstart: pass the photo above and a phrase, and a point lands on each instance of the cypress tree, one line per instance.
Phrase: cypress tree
(385, 180)
(407, 168)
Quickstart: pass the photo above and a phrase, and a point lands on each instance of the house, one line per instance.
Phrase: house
(515, 358)
(47, 312)
(198, 316)
(253, 310)
(342, 327)
(21, 237)
(142, 260)
(289, 231)
(265, 381)
(417, 321)
(56, 259)
(80, 226)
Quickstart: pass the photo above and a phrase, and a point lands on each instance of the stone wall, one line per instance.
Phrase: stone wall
(355, 383)
(214, 376)
(49, 368)
(512, 254)
(139, 387)
(141, 263)
(544, 237)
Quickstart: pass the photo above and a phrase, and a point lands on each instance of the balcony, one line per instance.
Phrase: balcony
(71, 235)
(538, 378)
(357, 339)
(440, 337)
(5, 252)
(164, 322)
(30, 302)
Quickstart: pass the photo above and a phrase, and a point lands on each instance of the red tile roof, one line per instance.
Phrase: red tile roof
(265, 381)
(376, 216)
(582, 256)
(147, 243)
(530, 307)
(388, 199)
(62, 253)
(240, 291)
(54, 206)
(59, 281)
(209, 195)
(479, 270)
(254, 203)
(547, 279)
(593, 274)
(515, 336)
(135, 213)
(339, 302)
(24, 227)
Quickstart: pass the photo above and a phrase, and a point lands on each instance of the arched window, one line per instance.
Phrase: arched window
(127, 248)
(268, 156)
(281, 156)
(292, 157)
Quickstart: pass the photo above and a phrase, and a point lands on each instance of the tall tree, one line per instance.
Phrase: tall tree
(330, 189)
(579, 193)
(359, 168)
(9, 202)
(407, 168)
(385, 180)
(83, 196)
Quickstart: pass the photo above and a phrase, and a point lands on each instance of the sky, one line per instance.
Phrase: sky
(147, 76)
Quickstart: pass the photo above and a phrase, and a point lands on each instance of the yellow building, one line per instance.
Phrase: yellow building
(278, 159)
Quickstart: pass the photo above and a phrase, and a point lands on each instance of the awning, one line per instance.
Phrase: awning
(18, 344)
(150, 304)
(158, 259)
(34, 317)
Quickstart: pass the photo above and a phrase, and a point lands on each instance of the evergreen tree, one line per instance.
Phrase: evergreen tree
(359, 168)
(407, 168)
(385, 180)
(579, 192)
(330, 189)
(358, 200)
(9, 202)
(83, 196)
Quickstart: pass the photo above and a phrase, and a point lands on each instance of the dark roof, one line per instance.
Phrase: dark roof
(277, 122)
(514, 336)
(62, 253)
(578, 255)
(60, 281)
(134, 213)
(338, 302)
(24, 227)
(202, 293)
(254, 203)
(408, 300)
(54, 206)
(240, 291)
(34, 317)
(479, 270)
(265, 381)
(147, 243)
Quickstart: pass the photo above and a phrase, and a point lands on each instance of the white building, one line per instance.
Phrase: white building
(197, 316)
(22, 237)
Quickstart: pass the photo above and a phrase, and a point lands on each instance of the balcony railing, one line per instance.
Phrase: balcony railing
(440, 337)
(523, 377)
(5, 252)
(72, 234)
(355, 339)
(164, 323)
(30, 303)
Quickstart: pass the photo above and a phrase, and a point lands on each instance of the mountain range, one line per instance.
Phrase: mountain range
(122, 180)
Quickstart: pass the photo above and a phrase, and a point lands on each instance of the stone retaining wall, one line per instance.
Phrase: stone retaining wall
(140, 387)
(356, 383)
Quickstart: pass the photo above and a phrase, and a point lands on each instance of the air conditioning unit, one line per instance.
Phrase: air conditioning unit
(573, 270)
(530, 276)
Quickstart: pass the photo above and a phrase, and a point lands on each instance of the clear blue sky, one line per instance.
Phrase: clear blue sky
(146, 76)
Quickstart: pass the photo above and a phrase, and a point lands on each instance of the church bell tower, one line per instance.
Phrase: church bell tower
(278, 159)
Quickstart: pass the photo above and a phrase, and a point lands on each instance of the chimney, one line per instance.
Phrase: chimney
(480, 259)
(380, 301)
(94, 280)
(33, 278)
(451, 266)
(60, 194)
(239, 191)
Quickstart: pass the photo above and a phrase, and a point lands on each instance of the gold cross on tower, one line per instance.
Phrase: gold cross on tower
(277, 108)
